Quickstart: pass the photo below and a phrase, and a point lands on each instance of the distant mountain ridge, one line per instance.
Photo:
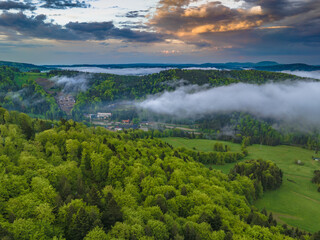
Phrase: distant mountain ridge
(23, 67)
(290, 67)
(263, 66)
(229, 65)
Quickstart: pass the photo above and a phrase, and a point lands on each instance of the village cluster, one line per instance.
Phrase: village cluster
(104, 119)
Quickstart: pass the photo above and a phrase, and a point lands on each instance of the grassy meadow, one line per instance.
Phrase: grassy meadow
(22, 78)
(296, 202)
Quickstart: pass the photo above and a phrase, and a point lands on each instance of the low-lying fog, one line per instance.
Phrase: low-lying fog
(312, 74)
(128, 71)
(118, 71)
(291, 102)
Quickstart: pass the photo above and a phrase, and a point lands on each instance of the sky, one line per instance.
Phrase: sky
(159, 31)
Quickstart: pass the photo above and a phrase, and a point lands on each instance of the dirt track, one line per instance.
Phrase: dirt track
(65, 101)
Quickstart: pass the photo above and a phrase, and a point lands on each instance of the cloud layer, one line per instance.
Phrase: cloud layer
(290, 102)
(174, 31)
(258, 27)
(39, 27)
(311, 74)
(8, 5)
(63, 4)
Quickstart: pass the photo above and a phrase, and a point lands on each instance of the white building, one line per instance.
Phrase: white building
(104, 115)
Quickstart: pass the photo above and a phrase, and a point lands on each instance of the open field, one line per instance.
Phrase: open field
(22, 78)
(297, 201)
(200, 144)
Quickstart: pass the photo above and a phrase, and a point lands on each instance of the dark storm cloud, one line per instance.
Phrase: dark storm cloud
(105, 30)
(98, 29)
(268, 43)
(9, 5)
(301, 37)
(137, 36)
(36, 26)
(64, 4)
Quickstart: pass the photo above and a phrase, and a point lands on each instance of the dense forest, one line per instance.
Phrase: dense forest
(19, 91)
(235, 127)
(63, 180)
(265, 174)
(24, 67)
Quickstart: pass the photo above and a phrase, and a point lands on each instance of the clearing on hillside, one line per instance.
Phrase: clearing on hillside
(296, 202)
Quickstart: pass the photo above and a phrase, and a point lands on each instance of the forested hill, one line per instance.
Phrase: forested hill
(19, 91)
(229, 65)
(107, 88)
(23, 67)
(67, 181)
(289, 67)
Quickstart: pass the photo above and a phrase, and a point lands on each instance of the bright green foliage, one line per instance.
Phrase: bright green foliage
(77, 219)
(23, 66)
(217, 158)
(296, 201)
(96, 234)
(116, 185)
(99, 167)
(266, 173)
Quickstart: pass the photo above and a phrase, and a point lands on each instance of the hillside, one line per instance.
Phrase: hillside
(106, 88)
(20, 91)
(296, 202)
(23, 67)
(289, 67)
(71, 182)
(229, 65)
